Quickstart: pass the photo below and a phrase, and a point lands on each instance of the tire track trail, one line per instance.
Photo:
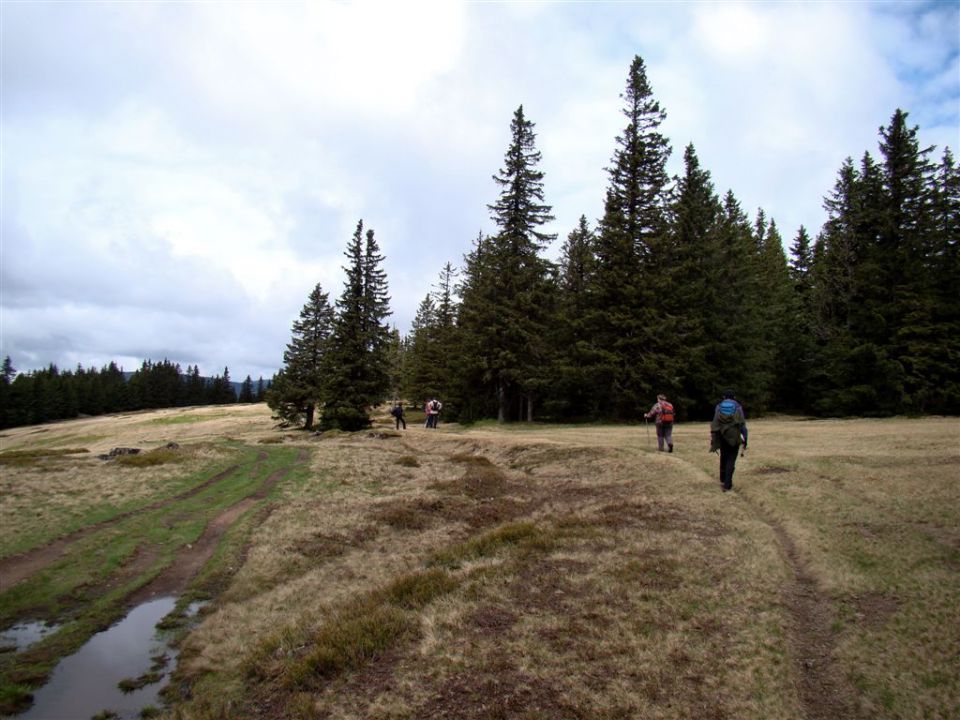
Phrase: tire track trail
(16, 568)
(191, 558)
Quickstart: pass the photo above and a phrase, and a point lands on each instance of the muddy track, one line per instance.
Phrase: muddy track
(191, 558)
(18, 567)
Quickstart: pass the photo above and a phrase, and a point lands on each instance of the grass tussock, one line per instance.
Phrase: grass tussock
(151, 458)
(272, 440)
(353, 635)
(33, 457)
(489, 544)
(408, 461)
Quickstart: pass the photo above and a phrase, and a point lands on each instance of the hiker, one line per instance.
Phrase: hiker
(433, 412)
(662, 412)
(729, 426)
(397, 413)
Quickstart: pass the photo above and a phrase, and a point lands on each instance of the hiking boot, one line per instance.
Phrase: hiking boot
(670, 448)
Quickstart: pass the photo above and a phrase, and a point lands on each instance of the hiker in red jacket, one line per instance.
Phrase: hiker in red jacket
(662, 412)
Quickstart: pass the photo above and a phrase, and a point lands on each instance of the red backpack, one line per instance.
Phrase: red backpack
(666, 412)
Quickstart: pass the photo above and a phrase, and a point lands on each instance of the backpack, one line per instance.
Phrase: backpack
(666, 412)
(728, 423)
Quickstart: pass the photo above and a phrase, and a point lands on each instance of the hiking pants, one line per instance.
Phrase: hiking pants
(401, 420)
(728, 462)
(665, 435)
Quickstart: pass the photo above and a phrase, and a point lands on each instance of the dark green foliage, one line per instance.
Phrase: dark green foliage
(51, 394)
(675, 290)
(625, 331)
(885, 284)
(507, 294)
(357, 364)
(299, 388)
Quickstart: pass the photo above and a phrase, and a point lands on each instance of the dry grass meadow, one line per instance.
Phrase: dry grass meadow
(531, 571)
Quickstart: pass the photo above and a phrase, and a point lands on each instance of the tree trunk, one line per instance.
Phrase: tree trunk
(310, 411)
(502, 403)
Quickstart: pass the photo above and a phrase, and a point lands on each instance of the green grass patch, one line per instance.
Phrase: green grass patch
(352, 638)
(14, 698)
(129, 685)
(75, 586)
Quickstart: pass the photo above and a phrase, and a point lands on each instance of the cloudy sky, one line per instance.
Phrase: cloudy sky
(178, 176)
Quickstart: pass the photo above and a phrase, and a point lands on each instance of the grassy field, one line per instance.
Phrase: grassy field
(521, 572)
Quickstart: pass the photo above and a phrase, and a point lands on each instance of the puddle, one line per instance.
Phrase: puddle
(20, 637)
(85, 683)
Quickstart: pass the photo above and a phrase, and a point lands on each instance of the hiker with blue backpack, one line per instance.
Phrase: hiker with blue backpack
(728, 428)
(662, 412)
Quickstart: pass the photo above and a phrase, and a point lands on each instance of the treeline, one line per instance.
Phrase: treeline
(51, 394)
(676, 289)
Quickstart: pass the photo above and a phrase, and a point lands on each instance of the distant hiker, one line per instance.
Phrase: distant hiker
(662, 412)
(397, 413)
(433, 412)
(729, 426)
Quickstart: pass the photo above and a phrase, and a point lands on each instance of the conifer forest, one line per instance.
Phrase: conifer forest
(676, 289)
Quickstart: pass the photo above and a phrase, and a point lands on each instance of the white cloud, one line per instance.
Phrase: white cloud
(178, 176)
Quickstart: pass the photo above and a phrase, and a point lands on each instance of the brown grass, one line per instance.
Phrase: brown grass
(573, 573)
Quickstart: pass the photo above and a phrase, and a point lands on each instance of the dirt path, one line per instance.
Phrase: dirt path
(824, 692)
(19, 567)
(191, 558)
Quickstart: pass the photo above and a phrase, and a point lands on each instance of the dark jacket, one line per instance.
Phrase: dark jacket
(729, 425)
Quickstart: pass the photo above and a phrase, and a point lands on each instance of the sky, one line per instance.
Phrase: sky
(178, 176)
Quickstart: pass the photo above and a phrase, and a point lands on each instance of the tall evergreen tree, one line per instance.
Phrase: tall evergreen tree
(623, 322)
(246, 391)
(357, 364)
(300, 389)
(572, 395)
(687, 273)
(506, 304)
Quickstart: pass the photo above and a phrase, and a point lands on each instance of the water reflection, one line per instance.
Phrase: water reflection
(21, 636)
(85, 683)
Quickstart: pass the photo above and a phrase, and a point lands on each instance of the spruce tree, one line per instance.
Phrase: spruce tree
(357, 363)
(300, 389)
(687, 274)
(246, 391)
(623, 323)
(505, 309)
(571, 395)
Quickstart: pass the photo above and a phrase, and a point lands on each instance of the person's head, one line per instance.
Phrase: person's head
(728, 394)
(661, 397)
